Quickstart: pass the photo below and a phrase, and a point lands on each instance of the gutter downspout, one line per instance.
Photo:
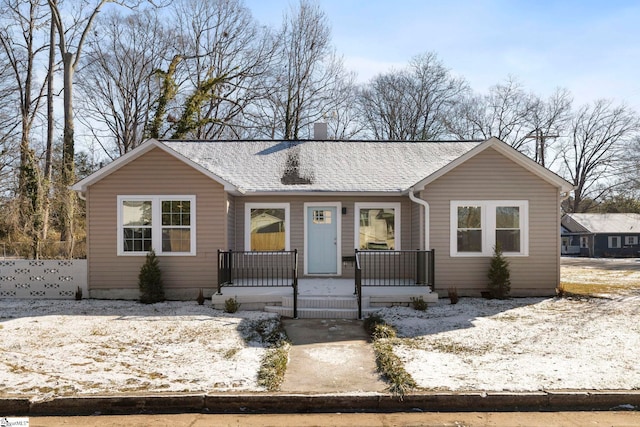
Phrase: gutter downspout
(426, 217)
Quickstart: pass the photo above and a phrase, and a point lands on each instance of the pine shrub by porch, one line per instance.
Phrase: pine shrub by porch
(419, 303)
(150, 280)
(499, 275)
(231, 305)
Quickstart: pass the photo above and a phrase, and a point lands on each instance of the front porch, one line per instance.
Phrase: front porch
(322, 298)
(269, 281)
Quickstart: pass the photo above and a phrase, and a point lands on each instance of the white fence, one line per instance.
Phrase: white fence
(43, 279)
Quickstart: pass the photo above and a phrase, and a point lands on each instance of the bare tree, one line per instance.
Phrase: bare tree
(523, 120)
(382, 109)
(344, 121)
(549, 120)
(18, 41)
(413, 103)
(72, 34)
(117, 84)
(631, 166)
(303, 77)
(226, 54)
(9, 128)
(600, 135)
(48, 155)
(504, 113)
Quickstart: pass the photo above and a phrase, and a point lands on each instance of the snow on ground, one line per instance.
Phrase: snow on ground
(523, 344)
(58, 348)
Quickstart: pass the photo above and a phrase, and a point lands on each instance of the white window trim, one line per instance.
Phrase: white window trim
(610, 240)
(156, 224)
(488, 221)
(631, 240)
(247, 222)
(381, 205)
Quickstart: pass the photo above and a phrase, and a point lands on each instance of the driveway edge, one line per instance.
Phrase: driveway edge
(570, 400)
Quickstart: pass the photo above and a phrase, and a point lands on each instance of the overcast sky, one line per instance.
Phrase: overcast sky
(591, 47)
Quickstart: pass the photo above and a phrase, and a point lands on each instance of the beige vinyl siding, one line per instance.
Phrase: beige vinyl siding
(155, 173)
(491, 176)
(408, 241)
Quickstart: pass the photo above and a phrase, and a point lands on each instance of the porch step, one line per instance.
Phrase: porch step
(323, 307)
(377, 300)
(325, 302)
(321, 313)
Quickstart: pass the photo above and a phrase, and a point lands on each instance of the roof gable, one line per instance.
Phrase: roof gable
(139, 151)
(602, 222)
(509, 152)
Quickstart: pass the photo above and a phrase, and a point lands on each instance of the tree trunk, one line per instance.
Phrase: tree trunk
(48, 159)
(68, 155)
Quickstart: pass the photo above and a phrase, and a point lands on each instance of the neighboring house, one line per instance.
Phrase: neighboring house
(601, 235)
(189, 199)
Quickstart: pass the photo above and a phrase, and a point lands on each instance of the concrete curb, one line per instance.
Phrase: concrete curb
(575, 400)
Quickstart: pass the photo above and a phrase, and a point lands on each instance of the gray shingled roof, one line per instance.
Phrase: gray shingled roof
(332, 166)
(603, 223)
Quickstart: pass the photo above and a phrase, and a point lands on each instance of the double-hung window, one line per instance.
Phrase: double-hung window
(266, 227)
(165, 224)
(477, 227)
(377, 226)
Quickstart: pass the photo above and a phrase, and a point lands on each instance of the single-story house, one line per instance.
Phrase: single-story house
(601, 234)
(332, 202)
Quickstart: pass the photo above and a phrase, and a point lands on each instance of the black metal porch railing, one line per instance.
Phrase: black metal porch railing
(393, 268)
(259, 269)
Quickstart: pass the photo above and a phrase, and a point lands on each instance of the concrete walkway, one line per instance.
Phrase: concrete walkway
(330, 356)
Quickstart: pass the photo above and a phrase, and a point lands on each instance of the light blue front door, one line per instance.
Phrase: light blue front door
(322, 243)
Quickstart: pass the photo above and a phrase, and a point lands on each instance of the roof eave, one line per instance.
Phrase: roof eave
(320, 193)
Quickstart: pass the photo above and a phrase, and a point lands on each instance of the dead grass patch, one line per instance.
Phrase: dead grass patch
(591, 281)
(593, 289)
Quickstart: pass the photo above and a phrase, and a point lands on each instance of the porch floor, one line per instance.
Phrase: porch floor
(321, 286)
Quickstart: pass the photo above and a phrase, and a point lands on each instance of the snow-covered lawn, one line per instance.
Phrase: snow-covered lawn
(528, 344)
(58, 348)
(62, 348)
(521, 344)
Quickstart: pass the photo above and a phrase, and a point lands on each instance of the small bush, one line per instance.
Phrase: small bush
(419, 303)
(200, 298)
(382, 331)
(150, 280)
(453, 295)
(231, 305)
(78, 293)
(371, 321)
(499, 275)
